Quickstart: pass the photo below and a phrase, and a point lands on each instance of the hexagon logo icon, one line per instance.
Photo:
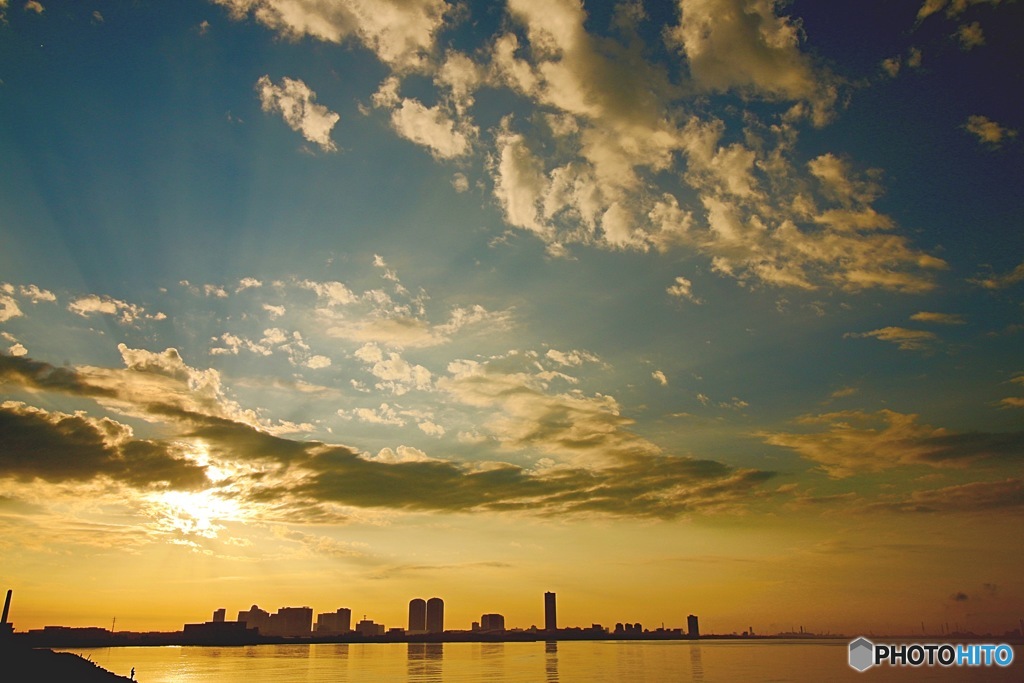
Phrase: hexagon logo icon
(862, 654)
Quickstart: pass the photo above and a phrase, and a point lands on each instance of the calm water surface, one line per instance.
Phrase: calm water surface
(563, 662)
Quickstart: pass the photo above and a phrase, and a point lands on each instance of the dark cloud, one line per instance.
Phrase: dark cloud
(978, 496)
(648, 486)
(56, 447)
(302, 480)
(26, 372)
(959, 597)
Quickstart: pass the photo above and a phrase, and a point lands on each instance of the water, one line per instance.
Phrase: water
(803, 661)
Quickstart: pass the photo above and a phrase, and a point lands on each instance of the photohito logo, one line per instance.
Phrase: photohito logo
(864, 654)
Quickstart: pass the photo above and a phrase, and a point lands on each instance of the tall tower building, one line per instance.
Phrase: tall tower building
(435, 615)
(417, 615)
(692, 629)
(550, 622)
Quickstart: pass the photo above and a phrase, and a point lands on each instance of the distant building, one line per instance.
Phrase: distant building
(435, 615)
(254, 617)
(492, 622)
(366, 627)
(692, 629)
(417, 615)
(287, 621)
(218, 615)
(334, 623)
(550, 621)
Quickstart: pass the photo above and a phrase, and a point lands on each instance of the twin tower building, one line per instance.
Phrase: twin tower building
(426, 616)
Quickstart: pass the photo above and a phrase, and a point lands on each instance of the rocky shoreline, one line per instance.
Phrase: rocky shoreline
(27, 664)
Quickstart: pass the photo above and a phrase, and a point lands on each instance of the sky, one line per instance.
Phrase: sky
(706, 306)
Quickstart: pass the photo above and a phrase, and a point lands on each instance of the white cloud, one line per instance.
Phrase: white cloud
(573, 358)
(105, 305)
(17, 349)
(431, 428)
(317, 362)
(8, 308)
(744, 45)
(35, 294)
(433, 128)
(296, 103)
(248, 283)
(660, 378)
(383, 415)
(396, 374)
(332, 293)
(400, 32)
(274, 311)
(683, 289)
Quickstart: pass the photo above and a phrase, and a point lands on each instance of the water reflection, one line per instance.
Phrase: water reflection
(696, 665)
(425, 661)
(551, 660)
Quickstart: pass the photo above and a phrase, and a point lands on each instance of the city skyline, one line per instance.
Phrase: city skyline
(708, 304)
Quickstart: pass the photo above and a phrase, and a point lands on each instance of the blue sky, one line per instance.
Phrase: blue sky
(319, 279)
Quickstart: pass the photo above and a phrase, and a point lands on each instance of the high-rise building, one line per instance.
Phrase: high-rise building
(366, 627)
(435, 615)
(334, 623)
(218, 615)
(550, 622)
(417, 615)
(692, 629)
(492, 622)
(254, 617)
(292, 621)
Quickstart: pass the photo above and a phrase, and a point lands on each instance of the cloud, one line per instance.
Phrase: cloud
(954, 8)
(384, 415)
(296, 103)
(905, 339)
(35, 294)
(400, 32)
(988, 131)
(8, 308)
(34, 6)
(683, 289)
(1001, 281)
(126, 313)
(744, 45)
(396, 374)
(280, 478)
(970, 35)
(572, 358)
(855, 442)
(973, 497)
(938, 318)
(58, 447)
(660, 378)
(432, 127)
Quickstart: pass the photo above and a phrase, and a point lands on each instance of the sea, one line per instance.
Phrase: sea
(711, 661)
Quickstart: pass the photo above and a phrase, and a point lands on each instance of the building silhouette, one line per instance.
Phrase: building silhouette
(366, 627)
(692, 629)
(435, 615)
(492, 622)
(336, 623)
(218, 615)
(550, 621)
(417, 616)
(287, 621)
